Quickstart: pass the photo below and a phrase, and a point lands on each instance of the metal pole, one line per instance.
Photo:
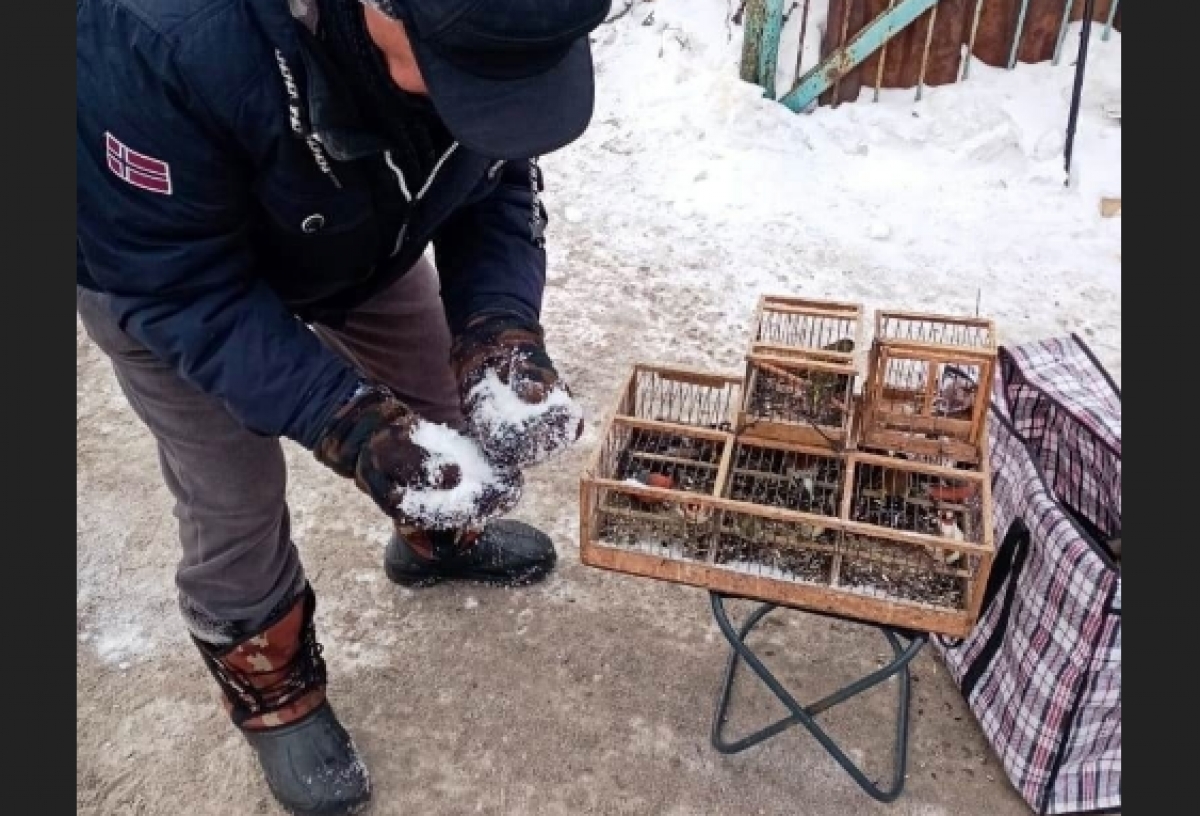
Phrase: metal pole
(971, 43)
(925, 54)
(1062, 31)
(1016, 43)
(882, 59)
(1089, 8)
(1112, 14)
(803, 35)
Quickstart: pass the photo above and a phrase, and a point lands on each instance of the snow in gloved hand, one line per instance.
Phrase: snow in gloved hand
(461, 487)
(524, 424)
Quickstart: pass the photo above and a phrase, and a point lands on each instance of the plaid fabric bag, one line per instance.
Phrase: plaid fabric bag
(1042, 669)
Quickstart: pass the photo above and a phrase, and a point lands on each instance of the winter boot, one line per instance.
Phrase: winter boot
(506, 553)
(274, 685)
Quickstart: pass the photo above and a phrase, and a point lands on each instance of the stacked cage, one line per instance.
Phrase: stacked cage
(800, 372)
(695, 482)
(928, 387)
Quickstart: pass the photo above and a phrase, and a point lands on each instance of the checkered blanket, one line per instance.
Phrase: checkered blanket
(1042, 669)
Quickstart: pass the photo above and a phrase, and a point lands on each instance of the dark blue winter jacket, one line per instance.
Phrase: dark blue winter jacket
(224, 201)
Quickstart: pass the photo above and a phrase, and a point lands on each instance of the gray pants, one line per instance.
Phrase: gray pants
(229, 484)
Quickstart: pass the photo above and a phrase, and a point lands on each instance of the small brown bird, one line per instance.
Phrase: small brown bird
(811, 531)
(956, 397)
(748, 527)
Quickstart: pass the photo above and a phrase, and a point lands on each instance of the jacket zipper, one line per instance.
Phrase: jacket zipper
(408, 197)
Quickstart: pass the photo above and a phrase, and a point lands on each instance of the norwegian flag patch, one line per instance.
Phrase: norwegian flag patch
(138, 169)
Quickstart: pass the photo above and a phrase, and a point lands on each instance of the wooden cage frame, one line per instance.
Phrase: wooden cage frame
(882, 427)
(796, 431)
(596, 487)
(773, 309)
(630, 400)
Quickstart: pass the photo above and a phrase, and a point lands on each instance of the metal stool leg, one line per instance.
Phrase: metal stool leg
(805, 715)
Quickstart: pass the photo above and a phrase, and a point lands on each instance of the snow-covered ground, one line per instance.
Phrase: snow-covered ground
(694, 190)
(689, 197)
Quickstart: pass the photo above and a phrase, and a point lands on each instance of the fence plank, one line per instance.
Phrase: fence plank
(849, 57)
(900, 62)
(753, 20)
(986, 27)
(763, 23)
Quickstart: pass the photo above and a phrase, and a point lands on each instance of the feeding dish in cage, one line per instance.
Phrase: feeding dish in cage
(927, 389)
(809, 329)
(803, 401)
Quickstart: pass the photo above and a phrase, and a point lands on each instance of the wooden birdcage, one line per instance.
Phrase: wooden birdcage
(680, 395)
(790, 327)
(800, 371)
(917, 531)
(928, 387)
(805, 401)
(674, 495)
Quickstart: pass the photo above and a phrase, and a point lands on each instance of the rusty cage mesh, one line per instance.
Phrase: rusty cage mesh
(679, 490)
(818, 329)
(941, 330)
(681, 396)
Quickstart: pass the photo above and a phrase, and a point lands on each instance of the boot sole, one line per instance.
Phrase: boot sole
(423, 580)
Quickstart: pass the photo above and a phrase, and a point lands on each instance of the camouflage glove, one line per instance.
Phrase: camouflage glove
(418, 472)
(516, 405)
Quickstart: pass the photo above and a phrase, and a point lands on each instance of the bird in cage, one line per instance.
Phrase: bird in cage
(811, 531)
(806, 479)
(648, 478)
(663, 481)
(948, 527)
(749, 527)
(956, 396)
(844, 346)
(693, 512)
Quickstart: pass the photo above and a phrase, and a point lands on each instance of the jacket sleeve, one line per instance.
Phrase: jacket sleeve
(172, 247)
(491, 254)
